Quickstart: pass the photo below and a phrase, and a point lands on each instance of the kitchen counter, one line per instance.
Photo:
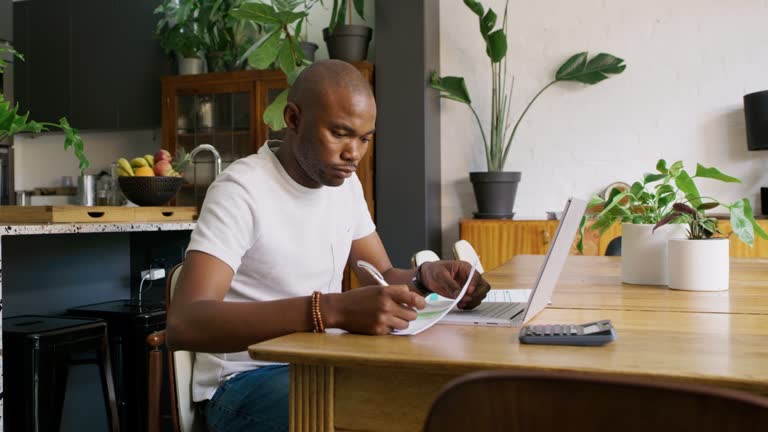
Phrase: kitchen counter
(43, 229)
(75, 228)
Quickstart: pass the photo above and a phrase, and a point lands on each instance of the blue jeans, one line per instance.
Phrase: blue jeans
(256, 400)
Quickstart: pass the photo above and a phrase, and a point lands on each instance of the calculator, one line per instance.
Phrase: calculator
(589, 334)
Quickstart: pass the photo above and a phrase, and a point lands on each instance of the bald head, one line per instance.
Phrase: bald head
(323, 79)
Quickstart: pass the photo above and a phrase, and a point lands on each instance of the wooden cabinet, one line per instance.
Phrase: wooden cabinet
(225, 110)
(497, 241)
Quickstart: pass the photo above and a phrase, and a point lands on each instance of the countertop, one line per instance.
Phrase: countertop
(75, 228)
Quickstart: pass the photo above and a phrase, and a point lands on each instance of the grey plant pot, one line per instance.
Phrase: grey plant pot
(348, 42)
(309, 49)
(190, 65)
(495, 193)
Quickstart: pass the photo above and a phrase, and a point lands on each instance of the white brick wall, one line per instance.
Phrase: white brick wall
(689, 62)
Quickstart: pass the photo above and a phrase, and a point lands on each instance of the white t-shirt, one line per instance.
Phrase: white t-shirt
(281, 239)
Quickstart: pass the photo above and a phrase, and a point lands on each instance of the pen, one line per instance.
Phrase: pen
(368, 267)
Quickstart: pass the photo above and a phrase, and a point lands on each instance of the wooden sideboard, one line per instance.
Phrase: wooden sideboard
(498, 240)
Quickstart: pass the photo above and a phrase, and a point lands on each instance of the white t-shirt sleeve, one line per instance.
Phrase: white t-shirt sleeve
(226, 227)
(363, 222)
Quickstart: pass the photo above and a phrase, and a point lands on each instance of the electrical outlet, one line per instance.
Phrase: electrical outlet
(153, 274)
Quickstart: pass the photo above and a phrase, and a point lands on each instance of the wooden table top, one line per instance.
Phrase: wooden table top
(595, 283)
(725, 348)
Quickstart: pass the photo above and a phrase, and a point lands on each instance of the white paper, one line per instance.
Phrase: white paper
(434, 311)
(519, 295)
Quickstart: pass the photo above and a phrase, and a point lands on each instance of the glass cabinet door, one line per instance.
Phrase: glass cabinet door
(222, 120)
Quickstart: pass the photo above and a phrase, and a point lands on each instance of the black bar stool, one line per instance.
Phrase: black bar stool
(38, 351)
(129, 323)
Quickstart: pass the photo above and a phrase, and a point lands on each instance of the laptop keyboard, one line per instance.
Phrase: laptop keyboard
(507, 296)
(497, 310)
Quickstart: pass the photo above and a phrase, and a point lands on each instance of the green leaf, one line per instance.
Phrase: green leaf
(273, 115)
(334, 16)
(475, 7)
(750, 215)
(650, 178)
(675, 169)
(286, 5)
(359, 8)
(342, 13)
(741, 223)
(258, 12)
(496, 48)
(72, 139)
(265, 52)
(714, 173)
(686, 185)
(451, 87)
(636, 189)
(487, 23)
(661, 166)
(580, 244)
(578, 69)
(288, 17)
(285, 57)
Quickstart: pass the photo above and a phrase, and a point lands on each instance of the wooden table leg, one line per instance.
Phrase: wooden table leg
(311, 398)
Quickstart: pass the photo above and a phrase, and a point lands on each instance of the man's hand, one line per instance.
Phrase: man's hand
(375, 310)
(446, 277)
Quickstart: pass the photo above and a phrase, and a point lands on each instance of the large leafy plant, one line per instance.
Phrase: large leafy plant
(656, 198)
(279, 46)
(578, 68)
(11, 122)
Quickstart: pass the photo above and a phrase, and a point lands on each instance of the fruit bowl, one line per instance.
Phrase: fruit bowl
(149, 190)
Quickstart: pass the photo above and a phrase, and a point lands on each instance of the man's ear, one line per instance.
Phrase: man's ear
(292, 116)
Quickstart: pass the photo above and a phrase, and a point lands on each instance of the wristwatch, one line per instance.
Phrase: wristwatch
(418, 284)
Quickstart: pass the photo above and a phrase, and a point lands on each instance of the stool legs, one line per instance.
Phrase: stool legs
(107, 385)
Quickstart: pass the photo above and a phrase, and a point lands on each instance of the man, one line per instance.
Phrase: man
(277, 227)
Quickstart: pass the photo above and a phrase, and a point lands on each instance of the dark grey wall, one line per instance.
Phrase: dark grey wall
(408, 128)
(6, 20)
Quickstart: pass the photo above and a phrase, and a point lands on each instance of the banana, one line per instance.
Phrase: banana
(150, 160)
(123, 163)
(139, 162)
(122, 173)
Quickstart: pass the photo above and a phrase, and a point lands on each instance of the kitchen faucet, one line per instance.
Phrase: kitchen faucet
(214, 152)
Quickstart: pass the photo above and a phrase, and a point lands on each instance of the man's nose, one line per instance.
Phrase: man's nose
(352, 150)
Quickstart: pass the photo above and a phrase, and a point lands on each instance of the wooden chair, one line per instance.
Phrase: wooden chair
(183, 412)
(559, 401)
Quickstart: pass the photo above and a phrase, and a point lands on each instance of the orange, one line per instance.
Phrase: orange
(143, 172)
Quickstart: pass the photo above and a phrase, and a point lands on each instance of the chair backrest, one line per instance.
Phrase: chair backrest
(559, 401)
(464, 251)
(421, 257)
(180, 366)
(614, 247)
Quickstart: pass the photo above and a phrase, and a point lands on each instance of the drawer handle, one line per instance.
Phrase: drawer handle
(167, 214)
(95, 214)
(545, 236)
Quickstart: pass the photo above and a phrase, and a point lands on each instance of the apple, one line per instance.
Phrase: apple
(163, 168)
(162, 155)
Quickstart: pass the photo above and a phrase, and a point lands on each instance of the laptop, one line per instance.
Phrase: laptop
(512, 314)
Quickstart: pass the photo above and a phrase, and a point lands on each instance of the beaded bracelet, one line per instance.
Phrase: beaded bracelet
(317, 317)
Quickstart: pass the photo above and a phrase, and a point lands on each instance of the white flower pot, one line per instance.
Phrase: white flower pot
(644, 252)
(190, 65)
(699, 265)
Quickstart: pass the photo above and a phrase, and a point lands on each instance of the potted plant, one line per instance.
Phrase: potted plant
(279, 46)
(644, 253)
(495, 188)
(347, 42)
(306, 45)
(12, 123)
(177, 30)
(701, 261)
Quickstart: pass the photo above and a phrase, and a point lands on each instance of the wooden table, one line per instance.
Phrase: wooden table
(350, 382)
